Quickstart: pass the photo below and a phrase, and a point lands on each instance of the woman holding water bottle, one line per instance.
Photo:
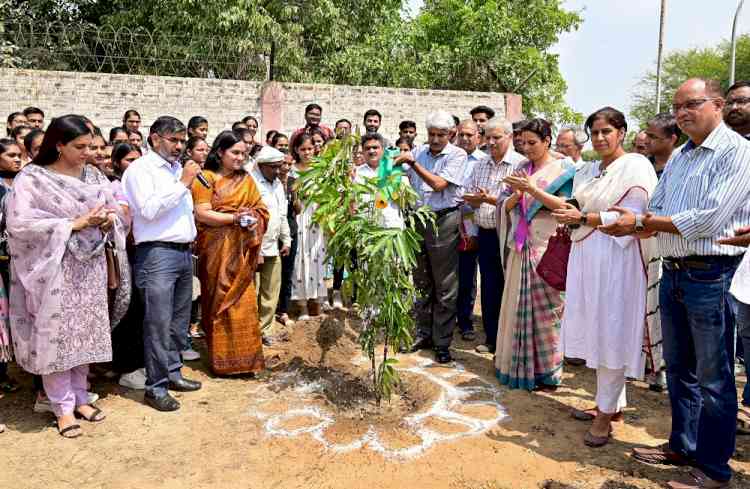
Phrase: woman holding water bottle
(231, 222)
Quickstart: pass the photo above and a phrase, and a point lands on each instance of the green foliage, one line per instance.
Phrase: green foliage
(303, 32)
(678, 66)
(482, 45)
(467, 45)
(347, 211)
(590, 155)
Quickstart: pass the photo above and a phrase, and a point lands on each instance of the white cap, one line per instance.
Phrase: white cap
(268, 155)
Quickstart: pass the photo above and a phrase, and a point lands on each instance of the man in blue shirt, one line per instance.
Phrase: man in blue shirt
(702, 198)
(436, 172)
(468, 138)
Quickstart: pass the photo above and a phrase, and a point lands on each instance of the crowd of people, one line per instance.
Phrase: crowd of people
(115, 249)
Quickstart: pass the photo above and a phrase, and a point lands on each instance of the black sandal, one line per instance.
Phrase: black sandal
(63, 432)
(94, 418)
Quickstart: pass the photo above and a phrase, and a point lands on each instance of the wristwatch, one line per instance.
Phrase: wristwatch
(639, 227)
(582, 220)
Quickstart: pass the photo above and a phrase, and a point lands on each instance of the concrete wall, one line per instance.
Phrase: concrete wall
(104, 98)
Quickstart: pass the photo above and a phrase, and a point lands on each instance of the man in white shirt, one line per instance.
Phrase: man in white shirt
(570, 141)
(373, 146)
(158, 191)
(268, 274)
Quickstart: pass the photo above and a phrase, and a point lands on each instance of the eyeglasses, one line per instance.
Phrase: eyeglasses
(694, 104)
(737, 101)
(174, 140)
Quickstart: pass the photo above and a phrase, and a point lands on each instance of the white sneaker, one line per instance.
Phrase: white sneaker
(337, 302)
(303, 315)
(284, 319)
(190, 355)
(42, 405)
(135, 380)
(45, 406)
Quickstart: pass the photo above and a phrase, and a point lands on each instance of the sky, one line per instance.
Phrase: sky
(617, 43)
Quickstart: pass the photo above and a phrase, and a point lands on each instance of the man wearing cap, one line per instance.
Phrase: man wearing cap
(268, 274)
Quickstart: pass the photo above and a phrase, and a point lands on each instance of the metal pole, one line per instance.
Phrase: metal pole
(662, 19)
(734, 42)
(271, 61)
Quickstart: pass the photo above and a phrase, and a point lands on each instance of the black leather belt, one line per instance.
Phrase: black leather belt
(697, 262)
(445, 212)
(168, 244)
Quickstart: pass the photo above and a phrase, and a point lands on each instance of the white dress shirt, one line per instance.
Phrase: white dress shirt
(390, 217)
(161, 206)
(274, 197)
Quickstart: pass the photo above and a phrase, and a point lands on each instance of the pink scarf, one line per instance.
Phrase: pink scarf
(522, 231)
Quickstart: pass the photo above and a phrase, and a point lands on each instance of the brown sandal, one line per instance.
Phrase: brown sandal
(594, 441)
(659, 456)
(590, 414)
(743, 422)
(696, 479)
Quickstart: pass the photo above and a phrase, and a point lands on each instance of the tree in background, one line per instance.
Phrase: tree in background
(487, 45)
(467, 45)
(711, 62)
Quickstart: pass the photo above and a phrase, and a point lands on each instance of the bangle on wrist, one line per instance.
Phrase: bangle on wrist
(639, 225)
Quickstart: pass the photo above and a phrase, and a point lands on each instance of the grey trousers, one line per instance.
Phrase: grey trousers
(436, 278)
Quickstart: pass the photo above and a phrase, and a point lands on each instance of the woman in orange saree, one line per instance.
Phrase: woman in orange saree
(231, 221)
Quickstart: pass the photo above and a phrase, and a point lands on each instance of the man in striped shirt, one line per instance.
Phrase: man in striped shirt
(483, 188)
(702, 197)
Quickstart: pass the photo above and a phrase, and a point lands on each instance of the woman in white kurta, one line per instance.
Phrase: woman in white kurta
(308, 286)
(606, 286)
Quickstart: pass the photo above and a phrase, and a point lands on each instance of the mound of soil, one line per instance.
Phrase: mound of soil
(325, 359)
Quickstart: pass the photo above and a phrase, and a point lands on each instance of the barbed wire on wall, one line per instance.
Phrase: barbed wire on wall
(57, 46)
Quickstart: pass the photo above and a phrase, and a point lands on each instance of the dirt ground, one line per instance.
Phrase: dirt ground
(312, 423)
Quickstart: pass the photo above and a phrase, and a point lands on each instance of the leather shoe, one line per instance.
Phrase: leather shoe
(184, 385)
(161, 403)
(468, 335)
(421, 344)
(443, 355)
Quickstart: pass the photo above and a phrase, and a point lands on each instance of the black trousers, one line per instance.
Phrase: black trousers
(436, 278)
(287, 270)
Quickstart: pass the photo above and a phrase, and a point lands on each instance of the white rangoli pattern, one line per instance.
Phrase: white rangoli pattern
(446, 408)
